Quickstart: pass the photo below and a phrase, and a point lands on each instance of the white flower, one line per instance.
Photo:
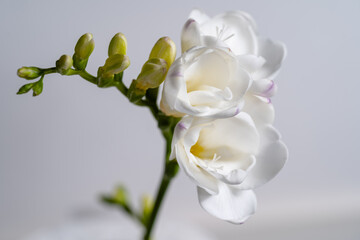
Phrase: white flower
(237, 31)
(258, 59)
(222, 84)
(205, 82)
(227, 158)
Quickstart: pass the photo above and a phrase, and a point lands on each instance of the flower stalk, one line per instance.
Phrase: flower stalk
(142, 93)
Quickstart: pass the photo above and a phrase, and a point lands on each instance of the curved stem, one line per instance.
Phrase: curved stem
(165, 123)
(87, 76)
(169, 173)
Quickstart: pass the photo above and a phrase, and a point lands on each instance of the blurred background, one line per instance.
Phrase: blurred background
(61, 150)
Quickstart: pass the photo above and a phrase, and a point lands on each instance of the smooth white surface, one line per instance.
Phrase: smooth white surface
(60, 150)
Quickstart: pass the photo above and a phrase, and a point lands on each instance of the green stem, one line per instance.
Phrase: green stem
(123, 206)
(169, 173)
(120, 84)
(87, 76)
(48, 70)
(84, 74)
(165, 123)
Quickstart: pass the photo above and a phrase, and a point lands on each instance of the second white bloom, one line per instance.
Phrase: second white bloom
(227, 158)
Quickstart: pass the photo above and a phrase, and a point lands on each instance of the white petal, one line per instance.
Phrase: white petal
(230, 204)
(199, 16)
(179, 133)
(196, 174)
(235, 176)
(245, 15)
(264, 87)
(190, 36)
(251, 63)
(274, 53)
(260, 109)
(270, 160)
(233, 29)
(210, 97)
(174, 90)
(237, 133)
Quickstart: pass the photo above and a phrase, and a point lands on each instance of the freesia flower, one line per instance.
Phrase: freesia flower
(226, 143)
(205, 82)
(257, 57)
(238, 31)
(227, 158)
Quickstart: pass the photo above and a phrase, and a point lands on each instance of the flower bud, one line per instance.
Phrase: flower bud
(164, 48)
(147, 203)
(29, 73)
(152, 74)
(135, 94)
(25, 88)
(37, 87)
(118, 45)
(84, 46)
(63, 65)
(121, 195)
(115, 64)
(83, 50)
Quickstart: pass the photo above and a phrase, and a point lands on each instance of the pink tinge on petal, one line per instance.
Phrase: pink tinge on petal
(270, 88)
(176, 74)
(189, 22)
(182, 126)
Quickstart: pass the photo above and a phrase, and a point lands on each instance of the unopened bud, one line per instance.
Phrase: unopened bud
(164, 48)
(83, 50)
(152, 74)
(121, 195)
(84, 46)
(147, 203)
(25, 88)
(118, 45)
(37, 87)
(64, 63)
(29, 73)
(135, 94)
(115, 64)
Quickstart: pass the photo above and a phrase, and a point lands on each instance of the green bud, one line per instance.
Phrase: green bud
(84, 46)
(25, 88)
(83, 50)
(135, 94)
(164, 48)
(104, 81)
(121, 195)
(152, 74)
(38, 87)
(29, 73)
(147, 203)
(118, 45)
(115, 64)
(63, 65)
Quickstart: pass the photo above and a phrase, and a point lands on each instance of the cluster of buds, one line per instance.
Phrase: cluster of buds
(151, 76)
(31, 73)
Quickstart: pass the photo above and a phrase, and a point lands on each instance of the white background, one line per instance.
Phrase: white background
(60, 150)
